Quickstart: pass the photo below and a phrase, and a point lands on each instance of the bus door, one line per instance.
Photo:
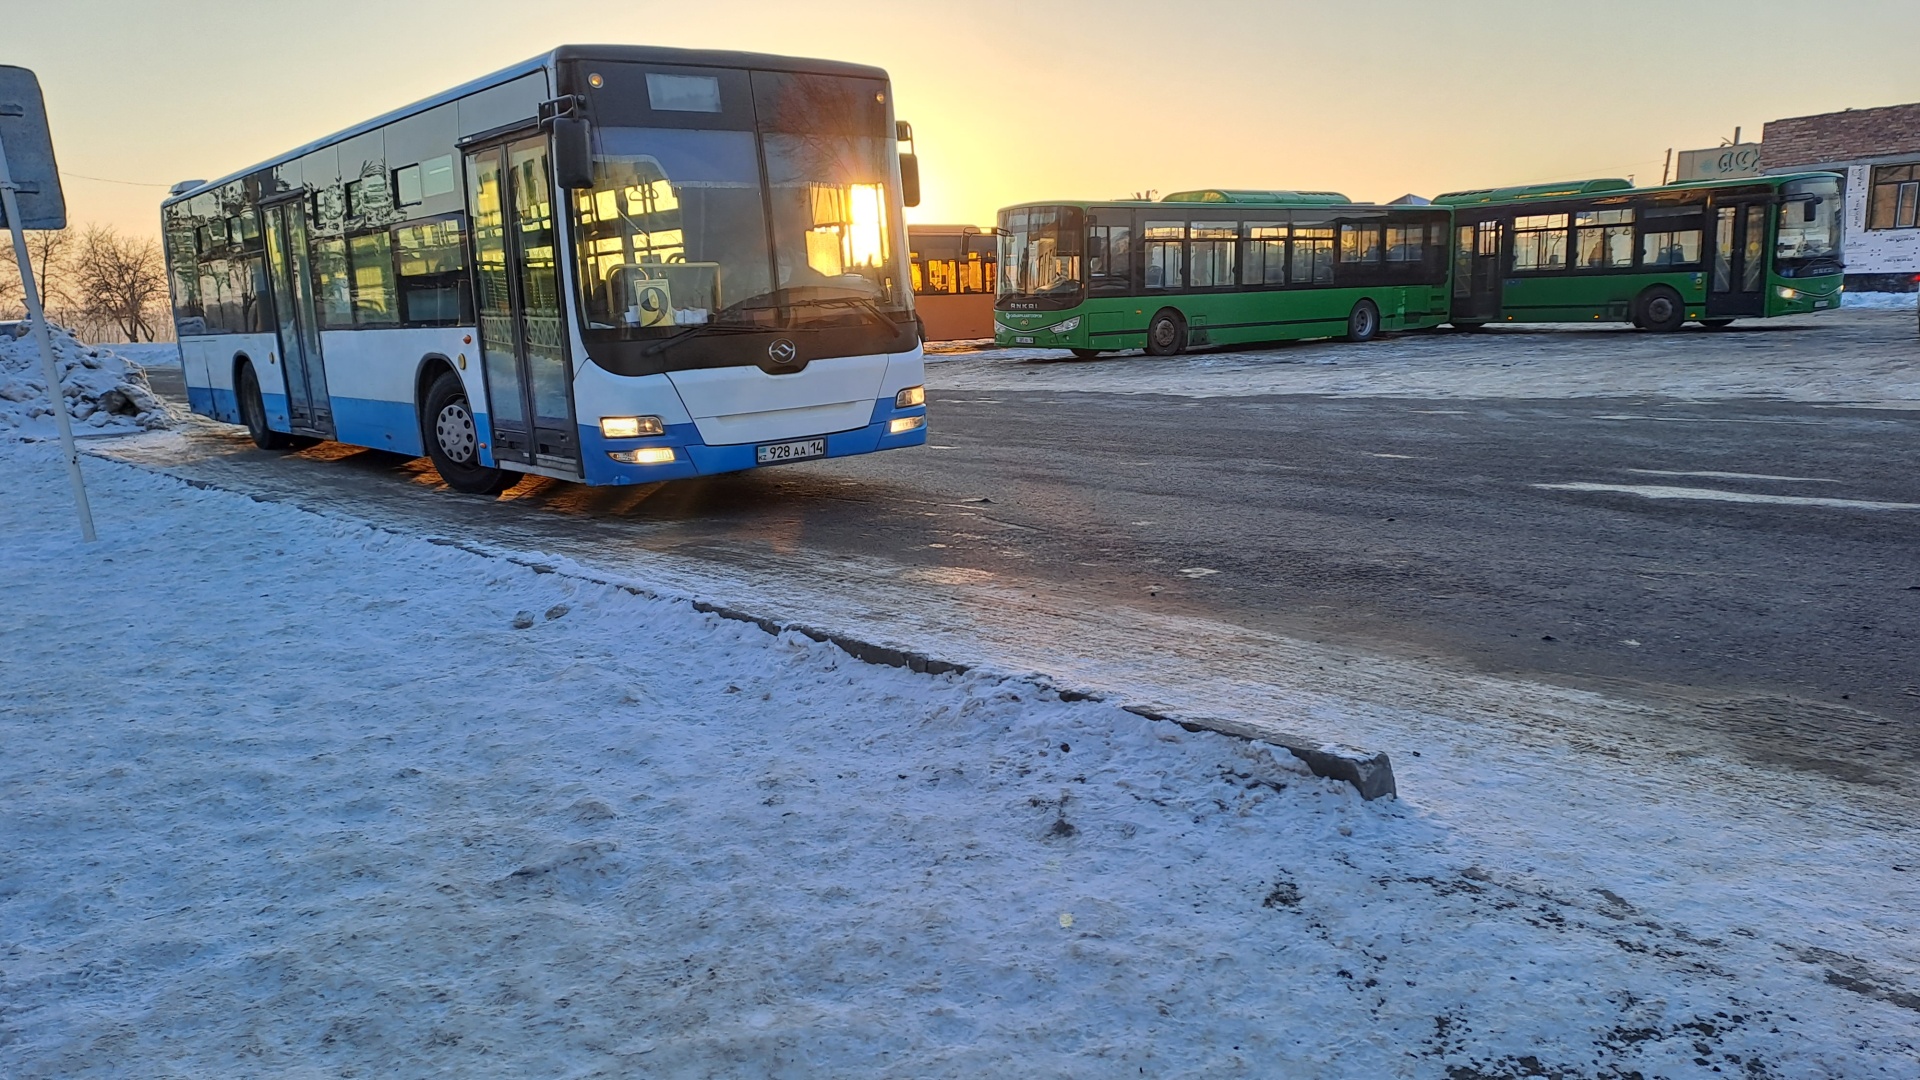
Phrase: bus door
(290, 279)
(516, 287)
(1738, 285)
(1477, 271)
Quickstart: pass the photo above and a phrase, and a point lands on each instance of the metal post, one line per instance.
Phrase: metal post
(39, 316)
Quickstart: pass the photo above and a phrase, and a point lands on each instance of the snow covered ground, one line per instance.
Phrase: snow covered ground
(290, 794)
(1837, 357)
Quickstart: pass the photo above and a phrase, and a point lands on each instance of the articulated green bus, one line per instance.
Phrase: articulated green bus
(1217, 268)
(1604, 250)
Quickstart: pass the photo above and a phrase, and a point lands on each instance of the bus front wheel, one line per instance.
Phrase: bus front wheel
(1363, 322)
(1661, 310)
(1166, 334)
(1084, 354)
(1716, 324)
(453, 440)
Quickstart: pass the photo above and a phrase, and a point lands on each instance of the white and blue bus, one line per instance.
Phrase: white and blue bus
(609, 264)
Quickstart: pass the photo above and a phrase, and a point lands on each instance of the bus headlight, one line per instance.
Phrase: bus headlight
(1066, 327)
(646, 455)
(631, 427)
(905, 424)
(911, 396)
(1786, 293)
(1001, 328)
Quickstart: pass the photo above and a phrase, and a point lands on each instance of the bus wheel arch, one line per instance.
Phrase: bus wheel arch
(450, 432)
(1166, 333)
(1363, 322)
(1659, 308)
(253, 407)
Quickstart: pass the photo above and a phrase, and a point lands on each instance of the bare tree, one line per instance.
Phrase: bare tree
(121, 278)
(51, 253)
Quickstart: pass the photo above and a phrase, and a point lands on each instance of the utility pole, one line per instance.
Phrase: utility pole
(1664, 166)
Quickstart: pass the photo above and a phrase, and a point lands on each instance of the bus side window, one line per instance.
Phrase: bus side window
(1109, 257)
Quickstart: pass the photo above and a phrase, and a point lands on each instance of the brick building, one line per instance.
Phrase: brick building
(1878, 150)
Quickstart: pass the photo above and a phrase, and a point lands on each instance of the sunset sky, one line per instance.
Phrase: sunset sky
(1012, 100)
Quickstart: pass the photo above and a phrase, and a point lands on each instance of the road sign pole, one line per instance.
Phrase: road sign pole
(38, 314)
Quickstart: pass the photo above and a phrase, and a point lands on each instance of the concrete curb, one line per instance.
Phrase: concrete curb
(1370, 772)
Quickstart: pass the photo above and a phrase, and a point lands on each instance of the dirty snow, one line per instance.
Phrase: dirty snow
(105, 392)
(311, 797)
(1884, 301)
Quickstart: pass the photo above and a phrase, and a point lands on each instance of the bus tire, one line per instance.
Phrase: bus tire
(253, 411)
(1468, 325)
(1085, 354)
(453, 439)
(1661, 310)
(1363, 322)
(1167, 333)
(1716, 324)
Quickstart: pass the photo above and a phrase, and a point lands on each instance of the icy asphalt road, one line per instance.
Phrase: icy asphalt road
(1741, 574)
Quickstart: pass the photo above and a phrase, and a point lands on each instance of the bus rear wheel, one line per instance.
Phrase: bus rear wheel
(1363, 322)
(1166, 334)
(253, 412)
(1661, 310)
(453, 440)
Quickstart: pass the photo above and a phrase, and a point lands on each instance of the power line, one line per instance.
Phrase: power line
(109, 180)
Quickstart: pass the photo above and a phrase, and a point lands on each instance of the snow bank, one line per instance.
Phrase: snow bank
(1882, 301)
(327, 799)
(104, 391)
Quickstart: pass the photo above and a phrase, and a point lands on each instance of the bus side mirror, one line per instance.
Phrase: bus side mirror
(910, 179)
(572, 153)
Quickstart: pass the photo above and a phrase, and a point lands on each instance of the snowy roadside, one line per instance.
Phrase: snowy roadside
(106, 392)
(1860, 356)
(299, 795)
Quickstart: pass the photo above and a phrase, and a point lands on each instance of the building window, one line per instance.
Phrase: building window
(1895, 197)
(1602, 239)
(1540, 242)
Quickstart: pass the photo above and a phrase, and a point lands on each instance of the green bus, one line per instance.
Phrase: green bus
(1604, 250)
(1217, 267)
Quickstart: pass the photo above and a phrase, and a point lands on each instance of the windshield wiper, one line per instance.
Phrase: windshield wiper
(666, 343)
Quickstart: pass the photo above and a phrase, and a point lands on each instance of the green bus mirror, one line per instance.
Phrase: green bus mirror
(572, 153)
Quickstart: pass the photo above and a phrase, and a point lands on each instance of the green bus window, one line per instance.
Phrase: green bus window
(1211, 263)
(1109, 257)
(1360, 244)
(1463, 260)
(1895, 199)
(1404, 243)
(1754, 266)
(1602, 239)
(1540, 242)
(1312, 255)
(1681, 248)
(1165, 255)
(370, 259)
(1265, 262)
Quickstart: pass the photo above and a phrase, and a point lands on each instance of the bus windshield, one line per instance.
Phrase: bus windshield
(675, 231)
(1809, 219)
(1040, 255)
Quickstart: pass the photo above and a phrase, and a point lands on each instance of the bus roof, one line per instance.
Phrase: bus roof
(631, 54)
(1226, 195)
(1278, 200)
(1574, 188)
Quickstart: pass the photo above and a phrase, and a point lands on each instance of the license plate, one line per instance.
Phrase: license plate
(774, 453)
(1024, 339)
(1820, 303)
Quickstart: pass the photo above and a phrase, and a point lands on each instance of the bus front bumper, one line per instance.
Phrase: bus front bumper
(891, 428)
